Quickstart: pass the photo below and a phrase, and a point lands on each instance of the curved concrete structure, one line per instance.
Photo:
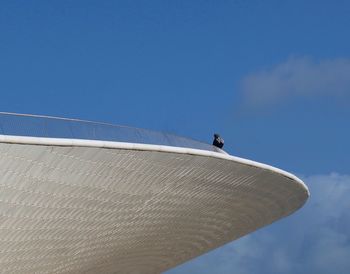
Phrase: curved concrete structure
(95, 206)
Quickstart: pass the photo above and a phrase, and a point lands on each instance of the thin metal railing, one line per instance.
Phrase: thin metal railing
(55, 127)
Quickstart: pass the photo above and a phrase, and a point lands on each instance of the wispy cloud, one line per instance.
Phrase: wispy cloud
(298, 76)
(316, 239)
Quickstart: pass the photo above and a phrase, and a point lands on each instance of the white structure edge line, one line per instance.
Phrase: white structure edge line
(27, 140)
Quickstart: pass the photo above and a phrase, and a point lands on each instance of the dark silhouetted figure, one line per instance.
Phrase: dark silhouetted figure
(218, 141)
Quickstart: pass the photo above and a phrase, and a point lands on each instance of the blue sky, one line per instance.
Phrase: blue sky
(273, 77)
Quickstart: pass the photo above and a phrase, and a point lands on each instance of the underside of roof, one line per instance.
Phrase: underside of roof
(85, 209)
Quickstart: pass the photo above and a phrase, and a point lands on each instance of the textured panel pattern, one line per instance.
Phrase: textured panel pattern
(98, 210)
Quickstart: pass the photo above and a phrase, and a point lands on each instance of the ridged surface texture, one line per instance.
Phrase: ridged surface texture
(100, 210)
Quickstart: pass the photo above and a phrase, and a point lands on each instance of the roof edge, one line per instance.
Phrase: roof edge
(28, 140)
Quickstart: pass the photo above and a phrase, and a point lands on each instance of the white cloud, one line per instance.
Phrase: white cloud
(316, 239)
(297, 77)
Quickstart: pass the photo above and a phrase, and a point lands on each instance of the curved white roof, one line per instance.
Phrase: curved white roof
(70, 205)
